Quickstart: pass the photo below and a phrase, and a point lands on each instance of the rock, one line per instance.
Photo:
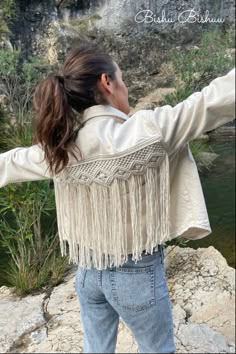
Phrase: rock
(18, 317)
(206, 159)
(203, 285)
(191, 335)
(211, 313)
(152, 100)
(203, 137)
(179, 314)
(230, 52)
(120, 18)
(202, 290)
(50, 28)
(224, 131)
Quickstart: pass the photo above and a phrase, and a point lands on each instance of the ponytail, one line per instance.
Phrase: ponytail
(57, 98)
(55, 122)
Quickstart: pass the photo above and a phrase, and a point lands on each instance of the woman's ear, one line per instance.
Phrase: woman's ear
(105, 83)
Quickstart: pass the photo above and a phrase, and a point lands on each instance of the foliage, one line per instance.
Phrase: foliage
(15, 134)
(30, 277)
(199, 148)
(198, 66)
(7, 12)
(18, 79)
(28, 235)
(178, 241)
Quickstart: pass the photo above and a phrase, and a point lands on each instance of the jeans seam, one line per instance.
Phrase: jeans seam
(81, 279)
(99, 277)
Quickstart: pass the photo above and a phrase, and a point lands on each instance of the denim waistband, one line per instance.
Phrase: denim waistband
(155, 249)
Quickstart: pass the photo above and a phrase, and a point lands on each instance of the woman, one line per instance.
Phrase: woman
(123, 186)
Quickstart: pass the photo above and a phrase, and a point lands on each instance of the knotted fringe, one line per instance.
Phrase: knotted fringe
(93, 218)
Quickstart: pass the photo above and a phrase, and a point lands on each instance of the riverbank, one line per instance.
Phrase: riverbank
(202, 289)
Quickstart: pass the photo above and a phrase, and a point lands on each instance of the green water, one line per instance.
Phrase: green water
(219, 190)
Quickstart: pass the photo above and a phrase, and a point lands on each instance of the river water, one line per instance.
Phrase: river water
(219, 190)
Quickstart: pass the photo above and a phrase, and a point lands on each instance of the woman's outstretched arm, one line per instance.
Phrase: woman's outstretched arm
(22, 165)
(200, 112)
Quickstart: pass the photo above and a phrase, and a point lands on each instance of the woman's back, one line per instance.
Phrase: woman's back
(120, 202)
(137, 184)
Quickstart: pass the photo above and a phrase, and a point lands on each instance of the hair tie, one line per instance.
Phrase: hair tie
(60, 79)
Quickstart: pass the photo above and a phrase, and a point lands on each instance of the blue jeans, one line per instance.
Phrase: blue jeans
(138, 294)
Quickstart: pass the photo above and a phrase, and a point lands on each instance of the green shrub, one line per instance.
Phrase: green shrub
(178, 241)
(15, 134)
(29, 237)
(195, 68)
(18, 79)
(7, 12)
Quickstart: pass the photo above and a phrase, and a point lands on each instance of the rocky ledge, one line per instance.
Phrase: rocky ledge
(202, 289)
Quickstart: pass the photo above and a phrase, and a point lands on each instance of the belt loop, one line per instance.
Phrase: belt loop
(162, 252)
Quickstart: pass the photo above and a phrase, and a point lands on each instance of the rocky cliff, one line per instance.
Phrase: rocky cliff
(139, 34)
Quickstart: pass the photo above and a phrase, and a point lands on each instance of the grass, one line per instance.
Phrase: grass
(27, 277)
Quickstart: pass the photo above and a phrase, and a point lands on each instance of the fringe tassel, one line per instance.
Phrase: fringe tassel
(93, 218)
(152, 189)
(60, 216)
(135, 197)
(164, 200)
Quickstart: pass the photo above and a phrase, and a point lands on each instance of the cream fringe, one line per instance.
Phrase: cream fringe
(92, 219)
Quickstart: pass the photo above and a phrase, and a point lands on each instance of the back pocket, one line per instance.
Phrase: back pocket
(133, 288)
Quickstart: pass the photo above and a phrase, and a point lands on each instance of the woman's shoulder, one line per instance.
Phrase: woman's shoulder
(140, 126)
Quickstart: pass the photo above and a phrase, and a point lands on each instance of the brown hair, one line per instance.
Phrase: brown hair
(59, 97)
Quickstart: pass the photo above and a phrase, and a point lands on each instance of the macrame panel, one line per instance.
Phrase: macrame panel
(104, 170)
(101, 216)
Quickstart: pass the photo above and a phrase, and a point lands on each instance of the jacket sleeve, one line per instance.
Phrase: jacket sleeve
(201, 112)
(22, 165)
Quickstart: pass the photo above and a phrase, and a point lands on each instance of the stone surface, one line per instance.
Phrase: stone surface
(203, 286)
(205, 159)
(200, 338)
(50, 28)
(224, 131)
(202, 290)
(18, 317)
(152, 100)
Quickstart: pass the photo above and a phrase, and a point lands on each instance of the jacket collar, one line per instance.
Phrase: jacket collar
(101, 110)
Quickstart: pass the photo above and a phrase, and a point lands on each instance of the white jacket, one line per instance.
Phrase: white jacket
(109, 136)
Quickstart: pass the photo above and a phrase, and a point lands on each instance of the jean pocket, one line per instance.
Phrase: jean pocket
(80, 277)
(133, 288)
